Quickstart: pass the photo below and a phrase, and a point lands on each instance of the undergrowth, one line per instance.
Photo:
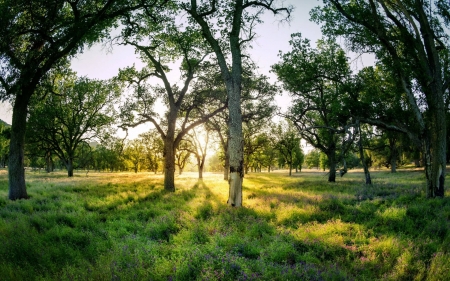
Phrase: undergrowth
(124, 226)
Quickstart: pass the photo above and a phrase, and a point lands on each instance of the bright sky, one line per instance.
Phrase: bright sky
(273, 36)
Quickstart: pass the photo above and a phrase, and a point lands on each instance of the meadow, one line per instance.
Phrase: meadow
(123, 226)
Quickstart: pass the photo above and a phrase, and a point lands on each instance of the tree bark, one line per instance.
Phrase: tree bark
(362, 158)
(169, 154)
(332, 164)
(169, 166)
(69, 166)
(235, 142)
(226, 167)
(439, 144)
(16, 174)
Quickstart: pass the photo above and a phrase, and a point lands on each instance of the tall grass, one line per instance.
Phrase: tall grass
(123, 226)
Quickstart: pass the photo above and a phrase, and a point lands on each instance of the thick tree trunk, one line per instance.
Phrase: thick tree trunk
(393, 164)
(332, 164)
(439, 144)
(169, 166)
(393, 160)
(235, 143)
(49, 162)
(69, 166)
(290, 169)
(16, 174)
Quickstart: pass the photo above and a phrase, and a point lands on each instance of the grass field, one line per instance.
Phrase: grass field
(123, 226)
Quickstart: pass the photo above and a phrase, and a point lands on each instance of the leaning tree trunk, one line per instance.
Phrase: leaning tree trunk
(235, 144)
(332, 164)
(16, 169)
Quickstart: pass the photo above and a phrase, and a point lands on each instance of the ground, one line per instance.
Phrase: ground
(123, 226)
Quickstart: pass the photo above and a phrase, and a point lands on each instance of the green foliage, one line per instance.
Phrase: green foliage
(78, 111)
(124, 226)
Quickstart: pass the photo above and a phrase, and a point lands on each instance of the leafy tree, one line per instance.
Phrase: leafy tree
(257, 97)
(312, 159)
(77, 111)
(410, 38)
(288, 144)
(299, 158)
(183, 155)
(316, 79)
(199, 140)
(221, 23)
(109, 155)
(35, 37)
(269, 152)
(154, 149)
(134, 152)
(159, 45)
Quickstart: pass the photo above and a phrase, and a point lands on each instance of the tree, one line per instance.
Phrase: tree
(287, 144)
(409, 37)
(299, 158)
(316, 79)
(221, 23)
(169, 43)
(154, 149)
(183, 155)
(134, 152)
(77, 111)
(199, 140)
(257, 98)
(312, 159)
(36, 36)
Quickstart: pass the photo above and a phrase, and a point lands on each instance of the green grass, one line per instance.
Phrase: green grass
(123, 226)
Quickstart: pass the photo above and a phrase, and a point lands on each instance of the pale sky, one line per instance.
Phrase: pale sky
(273, 36)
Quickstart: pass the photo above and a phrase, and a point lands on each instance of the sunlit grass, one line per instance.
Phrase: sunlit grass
(124, 226)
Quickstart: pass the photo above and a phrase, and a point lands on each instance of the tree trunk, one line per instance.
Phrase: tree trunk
(363, 160)
(393, 164)
(226, 167)
(393, 158)
(169, 166)
(49, 162)
(332, 164)
(69, 166)
(201, 165)
(290, 169)
(16, 174)
(235, 143)
(439, 144)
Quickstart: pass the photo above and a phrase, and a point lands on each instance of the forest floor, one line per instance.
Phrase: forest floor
(123, 226)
